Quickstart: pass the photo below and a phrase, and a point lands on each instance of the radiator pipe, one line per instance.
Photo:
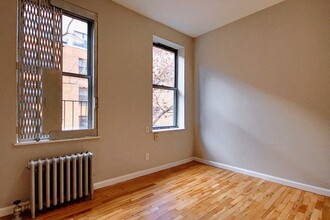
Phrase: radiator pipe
(18, 209)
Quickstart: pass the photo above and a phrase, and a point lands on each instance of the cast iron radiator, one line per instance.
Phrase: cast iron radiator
(59, 180)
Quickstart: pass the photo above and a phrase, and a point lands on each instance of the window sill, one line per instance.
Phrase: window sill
(56, 141)
(167, 129)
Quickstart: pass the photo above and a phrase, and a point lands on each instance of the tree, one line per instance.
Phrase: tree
(163, 75)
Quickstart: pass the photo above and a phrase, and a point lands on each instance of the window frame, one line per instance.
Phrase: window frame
(169, 88)
(89, 75)
(92, 69)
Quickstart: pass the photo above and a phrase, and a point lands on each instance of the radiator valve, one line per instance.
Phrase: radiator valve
(18, 208)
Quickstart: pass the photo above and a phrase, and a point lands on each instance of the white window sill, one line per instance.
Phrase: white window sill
(56, 141)
(167, 129)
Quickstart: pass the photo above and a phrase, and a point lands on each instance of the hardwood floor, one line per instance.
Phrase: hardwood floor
(197, 191)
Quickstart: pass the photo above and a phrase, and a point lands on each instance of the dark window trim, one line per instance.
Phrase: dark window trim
(175, 88)
(89, 75)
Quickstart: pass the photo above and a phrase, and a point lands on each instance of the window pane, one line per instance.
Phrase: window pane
(75, 41)
(83, 122)
(75, 103)
(163, 67)
(163, 106)
(82, 64)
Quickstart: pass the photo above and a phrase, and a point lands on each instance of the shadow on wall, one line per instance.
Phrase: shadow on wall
(245, 126)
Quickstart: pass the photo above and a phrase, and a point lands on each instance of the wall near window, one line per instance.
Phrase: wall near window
(125, 105)
(262, 92)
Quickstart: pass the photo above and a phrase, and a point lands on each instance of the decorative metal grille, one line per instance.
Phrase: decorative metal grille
(39, 46)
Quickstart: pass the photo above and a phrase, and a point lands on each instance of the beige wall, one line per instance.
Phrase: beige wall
(125, 105)
(262, 96)
(263, 92)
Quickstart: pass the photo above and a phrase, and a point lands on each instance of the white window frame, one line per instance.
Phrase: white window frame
(77, 11)
(69, 8)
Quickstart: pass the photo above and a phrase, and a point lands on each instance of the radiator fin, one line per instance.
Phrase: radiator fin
(60, 180)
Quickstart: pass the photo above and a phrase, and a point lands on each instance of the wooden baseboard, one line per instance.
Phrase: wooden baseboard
(9, 210)
(6, 211)
(303, 186)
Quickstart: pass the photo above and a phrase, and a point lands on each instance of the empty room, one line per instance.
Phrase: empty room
(165, 109)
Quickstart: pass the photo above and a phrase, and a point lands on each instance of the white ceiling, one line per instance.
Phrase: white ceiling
(196, 17)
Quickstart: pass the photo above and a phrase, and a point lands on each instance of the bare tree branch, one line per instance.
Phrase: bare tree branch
(161, 115)
(67, 28)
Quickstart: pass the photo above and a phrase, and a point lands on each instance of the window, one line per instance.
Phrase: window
(82, 64)
(83, 122)
(83, 94)
(76, 75)
(164, 87)
(80, 39)
(168, 99)
(55, 71)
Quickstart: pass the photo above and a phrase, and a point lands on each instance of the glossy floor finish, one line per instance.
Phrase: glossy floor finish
(197, 191)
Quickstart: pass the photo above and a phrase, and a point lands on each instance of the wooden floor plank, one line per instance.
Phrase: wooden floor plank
(195, 191)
